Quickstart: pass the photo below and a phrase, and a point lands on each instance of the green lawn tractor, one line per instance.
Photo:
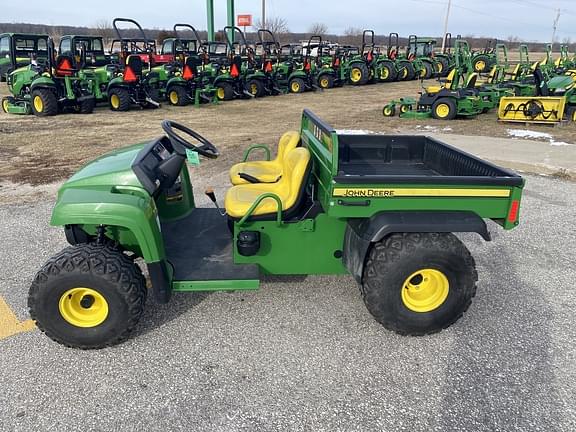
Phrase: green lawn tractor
(269, 61)
(189, 76)
(17, 50)
(420, 51)
(327, 68)
(369, 66)
(50, 87)
(483, 60)
(381, 209)
(296, 67)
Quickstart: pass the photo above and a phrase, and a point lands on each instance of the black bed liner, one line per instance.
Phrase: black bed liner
(414, 159)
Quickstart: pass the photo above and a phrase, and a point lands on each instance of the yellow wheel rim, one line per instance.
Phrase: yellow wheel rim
(174, 97)
(5, 105)
(384, 73)
(38, 104)
(574, 116)
(422, 72)
(440, 67)
(355, 75)
(425, 290)
(442, 110)
(295, 86)
(403, 108)
(221, 93)
(253, 89)
(404, 73)
(480, 65)
(115, 101)
(388, 112)
(83, 307)
(324, 83)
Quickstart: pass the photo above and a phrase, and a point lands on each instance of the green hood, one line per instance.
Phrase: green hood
(111, 169)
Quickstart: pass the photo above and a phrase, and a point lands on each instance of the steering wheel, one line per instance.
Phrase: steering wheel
(206, 148)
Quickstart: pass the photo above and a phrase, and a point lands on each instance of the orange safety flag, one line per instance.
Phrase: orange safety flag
(129, 75)
(268, 67)
(234, 72)
(188, 73)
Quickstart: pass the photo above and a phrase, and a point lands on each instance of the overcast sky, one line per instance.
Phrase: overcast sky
(527, 19)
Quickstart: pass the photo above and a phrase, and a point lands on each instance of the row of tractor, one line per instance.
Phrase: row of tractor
(535, 92)
(132, 72)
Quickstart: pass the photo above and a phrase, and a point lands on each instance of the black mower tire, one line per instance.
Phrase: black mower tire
(49, 102)
(256, 88)
(443, 68)
(410, 72)
(481, 64)
(87, 106)
(224, 91)
(429, 70)
(406, 261)
(124, 101)
(103, 270)
(297, 85)
(326, 81)
(447, 103)
(177, 96)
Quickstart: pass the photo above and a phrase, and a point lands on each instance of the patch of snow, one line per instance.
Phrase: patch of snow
(355, 132)
(528, 134)
(447, 129)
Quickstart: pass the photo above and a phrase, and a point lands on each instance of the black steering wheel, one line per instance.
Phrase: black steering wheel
(206, 148)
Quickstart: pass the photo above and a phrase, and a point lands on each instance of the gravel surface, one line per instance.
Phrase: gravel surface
(304, 354)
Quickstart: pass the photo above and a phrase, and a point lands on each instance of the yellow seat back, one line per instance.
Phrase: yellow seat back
(471, 80)
(288, 142)
(446, 84)
(294, 173)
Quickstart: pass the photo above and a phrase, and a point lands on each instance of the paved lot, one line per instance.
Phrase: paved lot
(304, 354)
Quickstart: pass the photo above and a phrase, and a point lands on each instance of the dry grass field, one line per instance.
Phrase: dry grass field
(45, 150)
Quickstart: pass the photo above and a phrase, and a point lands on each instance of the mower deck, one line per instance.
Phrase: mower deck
(200, 249)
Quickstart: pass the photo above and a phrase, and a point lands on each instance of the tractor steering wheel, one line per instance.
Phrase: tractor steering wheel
(206, 148)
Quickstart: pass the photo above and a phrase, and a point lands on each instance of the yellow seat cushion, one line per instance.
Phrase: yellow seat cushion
(433, 89)
(266, 171)
(240, 198)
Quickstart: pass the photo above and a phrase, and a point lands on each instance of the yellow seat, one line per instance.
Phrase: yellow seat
(447, 83)
(240, 198)
(266, 171)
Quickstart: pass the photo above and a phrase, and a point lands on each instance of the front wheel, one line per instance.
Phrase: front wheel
(177, 96)
(419, 283)
(224, 91)
(297, 85)
(88, 297)
(326, 81)
(256, 87)
(119, 99)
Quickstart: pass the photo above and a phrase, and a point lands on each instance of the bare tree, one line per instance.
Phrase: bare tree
(352, 36)
(103, 28)
(56, 32)
(319, 29)
(276, 25)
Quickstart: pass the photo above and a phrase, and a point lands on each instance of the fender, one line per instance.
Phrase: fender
(42, 82)
(361, 233)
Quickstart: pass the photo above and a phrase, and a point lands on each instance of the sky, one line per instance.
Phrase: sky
(530, 20)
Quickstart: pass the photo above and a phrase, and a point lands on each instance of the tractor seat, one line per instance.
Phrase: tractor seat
(471, 81)
(133, 69)
(447, 83)
(290, 189)
(266, 171)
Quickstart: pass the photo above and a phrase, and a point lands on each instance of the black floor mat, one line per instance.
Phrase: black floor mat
(199, 247)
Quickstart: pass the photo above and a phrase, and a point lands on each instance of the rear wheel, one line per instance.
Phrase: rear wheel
(359, 74)
(444, 109)
(418, 283)
(427, 70)
(297, 85)
(44, 102)
(88, 296)
(481, 63)
(224, 91)
(119, 99)
(409, 72)
(255, 88)
(326, 81)
(177, 96)
(387, 72)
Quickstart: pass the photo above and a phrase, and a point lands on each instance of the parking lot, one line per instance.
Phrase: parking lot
(304, 354)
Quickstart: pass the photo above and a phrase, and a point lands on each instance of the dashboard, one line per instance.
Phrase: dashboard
(157, 165)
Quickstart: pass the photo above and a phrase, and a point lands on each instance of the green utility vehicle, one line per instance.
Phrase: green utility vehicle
(381, 208)
(52, 85)
(18, 50)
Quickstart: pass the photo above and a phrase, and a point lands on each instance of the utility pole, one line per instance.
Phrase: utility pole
(446, 24)
(264, 14)
(554, 27)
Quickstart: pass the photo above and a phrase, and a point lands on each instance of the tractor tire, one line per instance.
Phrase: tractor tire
(418, 283)
(359, 74)
(224, 91)
(297, 85)
(326, 81)
(177, 96)
(442, 67)
(481, 64)
(410, 72)
(119, 99)
(256, 88)
(387, 72)
(88, 297)
(154, 94)
(6, 101)
(427, 71)
(87, 106)
(44, 102)
(444, 109)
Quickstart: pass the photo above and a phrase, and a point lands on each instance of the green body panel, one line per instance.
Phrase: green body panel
(216, 285)
(21, 78)
(304, 247)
